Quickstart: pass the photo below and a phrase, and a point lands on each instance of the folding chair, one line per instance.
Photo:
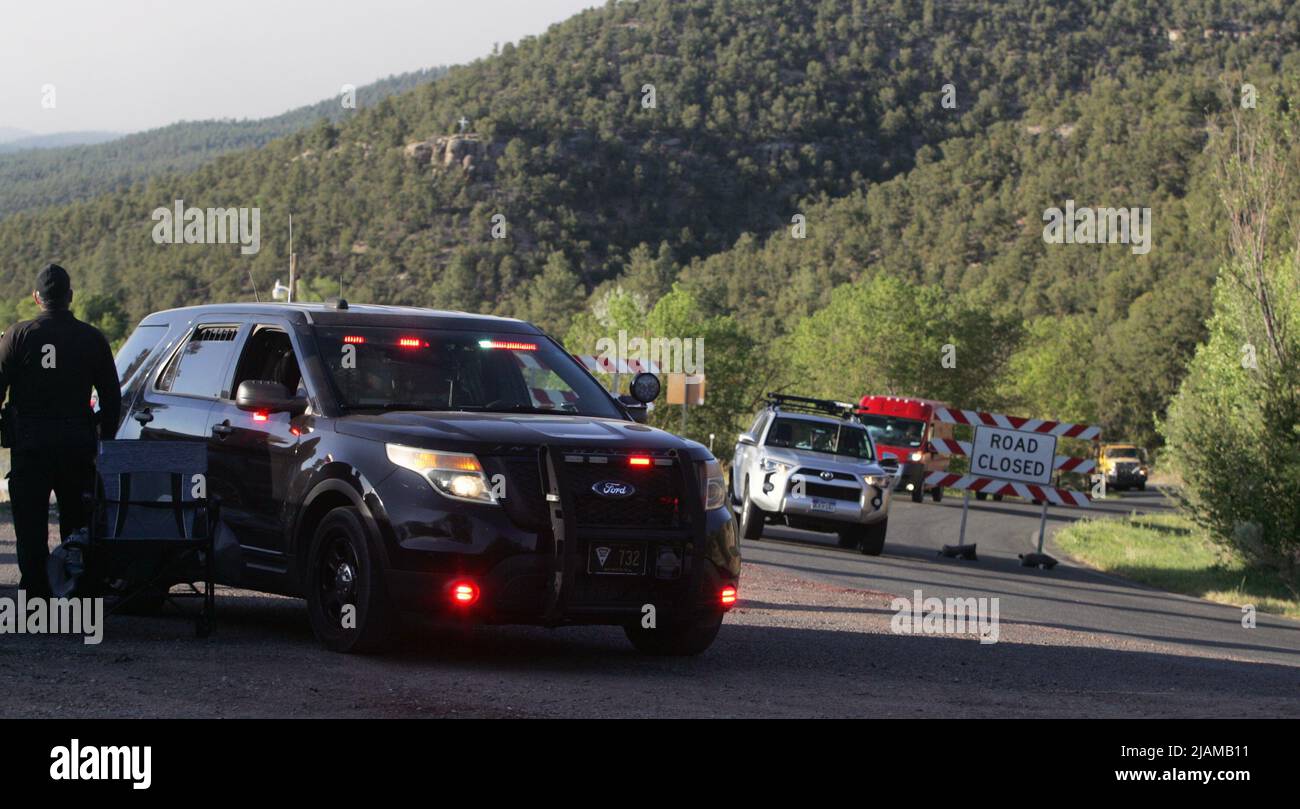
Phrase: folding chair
(147, 528)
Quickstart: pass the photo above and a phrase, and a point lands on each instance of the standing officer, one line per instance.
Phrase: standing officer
(48, 366)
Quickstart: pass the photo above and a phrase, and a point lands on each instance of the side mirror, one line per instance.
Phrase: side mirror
(645, 388)
(268, 397)
(639, 411)
(746, 438)
(889, 461)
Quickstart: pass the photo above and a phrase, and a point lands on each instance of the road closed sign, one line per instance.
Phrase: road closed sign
(1012, 455)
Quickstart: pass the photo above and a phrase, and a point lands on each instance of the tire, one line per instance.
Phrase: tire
(676, 640)
(343, 570)
(849, 537)
(936, 494)
(1142, 487)
(751, 517)
(872, 541)
(918, 494)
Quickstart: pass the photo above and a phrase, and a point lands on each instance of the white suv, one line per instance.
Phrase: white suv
(808, 464)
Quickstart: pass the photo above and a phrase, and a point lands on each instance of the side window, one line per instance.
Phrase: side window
(198, 368)
(759, 423)
(133, 353)
(268, 355)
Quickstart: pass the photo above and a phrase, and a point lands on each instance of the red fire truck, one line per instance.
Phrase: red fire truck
(902, 426)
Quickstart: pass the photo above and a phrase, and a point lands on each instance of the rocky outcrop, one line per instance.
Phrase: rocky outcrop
(464, 151)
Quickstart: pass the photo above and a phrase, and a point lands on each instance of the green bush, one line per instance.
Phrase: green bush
(1233, 430)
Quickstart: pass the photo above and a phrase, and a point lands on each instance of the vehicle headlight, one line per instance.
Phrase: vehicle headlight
(879, 481)
(772, 465)
(713, 485)
(917, 456)
(455, 474)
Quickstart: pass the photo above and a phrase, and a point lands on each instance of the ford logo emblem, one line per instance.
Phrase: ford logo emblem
(613, 488)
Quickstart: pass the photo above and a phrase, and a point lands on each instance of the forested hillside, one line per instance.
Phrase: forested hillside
(832, 110)
(65, 173)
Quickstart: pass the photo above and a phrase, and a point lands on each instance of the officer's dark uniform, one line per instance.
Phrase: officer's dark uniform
(48, 366)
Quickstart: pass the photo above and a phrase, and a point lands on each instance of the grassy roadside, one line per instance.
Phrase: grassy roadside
(1170, 552)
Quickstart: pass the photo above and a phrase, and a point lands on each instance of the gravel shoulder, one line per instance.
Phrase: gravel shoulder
(794, 648)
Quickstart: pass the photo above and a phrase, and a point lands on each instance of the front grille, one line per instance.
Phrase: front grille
(655, 503)
(817, 473)
(811, 489)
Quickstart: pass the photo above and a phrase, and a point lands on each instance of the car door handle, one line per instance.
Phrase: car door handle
(223, 429)
(143, 416)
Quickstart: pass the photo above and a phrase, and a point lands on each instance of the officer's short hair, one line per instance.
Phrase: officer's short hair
(54, 287)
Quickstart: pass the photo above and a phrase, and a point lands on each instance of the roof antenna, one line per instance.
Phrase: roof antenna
(292, 260)
(254, 283)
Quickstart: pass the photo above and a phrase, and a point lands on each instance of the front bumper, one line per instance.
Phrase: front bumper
(836, 502)
(911, 476)
(1125, 478)
(432, 545)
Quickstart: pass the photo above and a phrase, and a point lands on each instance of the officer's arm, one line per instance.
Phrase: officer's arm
(109, 389)
(6, 361)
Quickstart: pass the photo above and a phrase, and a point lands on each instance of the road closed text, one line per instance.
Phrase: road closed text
(1013, 455)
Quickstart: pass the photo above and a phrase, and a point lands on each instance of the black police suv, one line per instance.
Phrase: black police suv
(382, 461)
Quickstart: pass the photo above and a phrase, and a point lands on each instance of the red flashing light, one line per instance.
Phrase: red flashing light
(508, 345)
(638, 460)
(261, 416)
(464, 593)
(411, 342)
(728, 596)
(354, 339)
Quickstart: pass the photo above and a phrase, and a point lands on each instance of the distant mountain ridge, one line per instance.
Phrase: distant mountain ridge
(54, 140)
(32, 179)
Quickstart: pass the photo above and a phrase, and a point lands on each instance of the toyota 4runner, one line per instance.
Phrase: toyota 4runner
(808, 464)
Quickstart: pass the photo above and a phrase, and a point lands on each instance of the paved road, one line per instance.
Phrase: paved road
(811, 637)
(1068, 597)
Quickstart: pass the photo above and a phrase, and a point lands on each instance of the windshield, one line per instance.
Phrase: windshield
(817, 436)
(893, 431)
(379, 368)
(1126, 452)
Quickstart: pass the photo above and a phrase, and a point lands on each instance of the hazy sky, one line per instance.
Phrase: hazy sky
(127, 65)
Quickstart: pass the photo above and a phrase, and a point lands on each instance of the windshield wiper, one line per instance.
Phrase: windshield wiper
(523, 408)
(424, 406)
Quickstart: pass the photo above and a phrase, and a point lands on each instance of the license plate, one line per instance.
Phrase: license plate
(617, 558)
(818, 504)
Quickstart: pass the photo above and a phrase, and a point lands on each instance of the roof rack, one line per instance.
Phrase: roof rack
(805, 404)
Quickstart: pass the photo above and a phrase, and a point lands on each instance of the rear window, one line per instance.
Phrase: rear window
(199, 368)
